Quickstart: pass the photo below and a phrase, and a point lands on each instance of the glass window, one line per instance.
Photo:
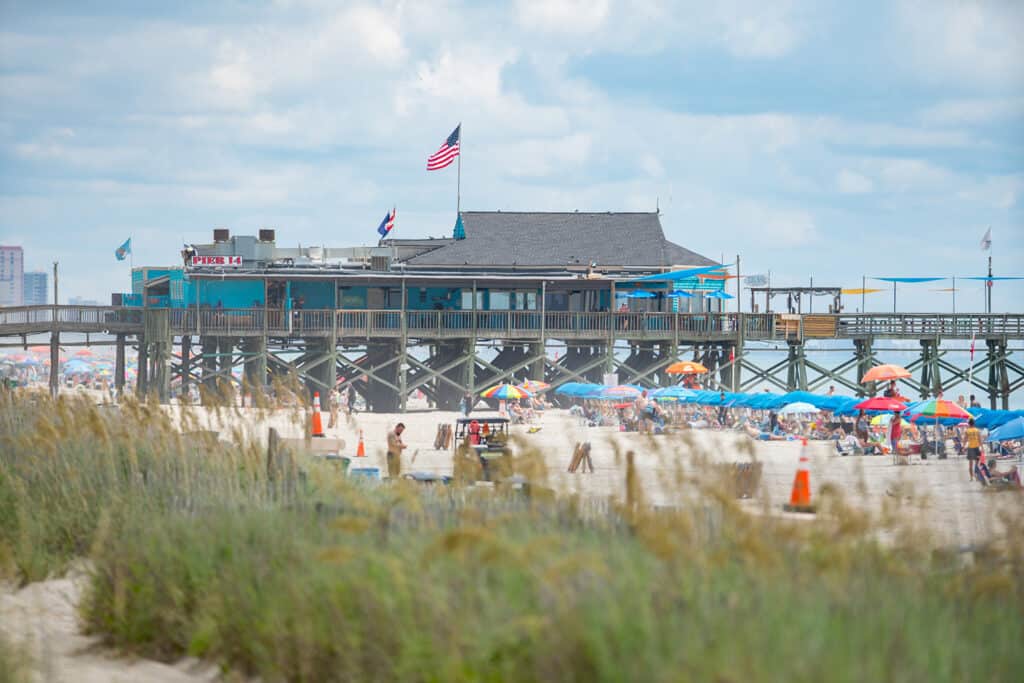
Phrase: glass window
(500, 301)
(467, 301)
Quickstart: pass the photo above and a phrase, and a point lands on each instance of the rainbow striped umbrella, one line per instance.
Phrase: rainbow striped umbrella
(939, 408)
(534, 386)
(505, 392)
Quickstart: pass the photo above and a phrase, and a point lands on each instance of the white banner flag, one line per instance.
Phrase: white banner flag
(986, 241)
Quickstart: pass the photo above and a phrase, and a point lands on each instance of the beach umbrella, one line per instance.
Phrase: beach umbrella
(504, 392)
(620, 391)
(881, 403)
(535, 386)
(1011, 431)
(641, 294)
(798, 408)
(939, 409)
(885, 373)
(719, 295)
(885, 419)
(678, 294)
(673, 394)
(84, 353)
(686, 367)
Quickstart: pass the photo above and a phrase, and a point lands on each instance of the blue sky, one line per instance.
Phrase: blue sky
(824, 139)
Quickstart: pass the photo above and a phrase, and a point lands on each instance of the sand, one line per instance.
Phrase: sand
(959, 512)
(41, 619)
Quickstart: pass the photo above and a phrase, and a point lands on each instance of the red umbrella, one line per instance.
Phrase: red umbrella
(881, 403)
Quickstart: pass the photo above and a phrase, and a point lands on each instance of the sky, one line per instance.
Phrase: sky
(824, 139)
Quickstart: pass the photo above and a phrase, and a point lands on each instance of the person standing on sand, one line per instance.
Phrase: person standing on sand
(395, 448)
(351, 403)
(973, 437)
(895, 431)
(333, 401)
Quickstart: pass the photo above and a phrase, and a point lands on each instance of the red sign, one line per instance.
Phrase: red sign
(233, 261)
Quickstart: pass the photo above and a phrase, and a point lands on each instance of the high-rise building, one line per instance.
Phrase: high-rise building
(12, 273)
(34, 291)
(82, 301)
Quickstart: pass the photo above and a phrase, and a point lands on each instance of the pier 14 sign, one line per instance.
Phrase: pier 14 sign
(217, 261)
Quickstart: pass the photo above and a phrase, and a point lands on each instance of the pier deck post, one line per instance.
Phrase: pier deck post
(119, 365)
(54, 362)
(186, 364)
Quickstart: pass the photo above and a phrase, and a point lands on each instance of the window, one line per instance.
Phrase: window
(467, 301)
(500, 301)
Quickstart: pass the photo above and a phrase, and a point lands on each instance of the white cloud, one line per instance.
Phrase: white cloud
(976, 42)
(851, 182)
(562, 16)
(974, 111)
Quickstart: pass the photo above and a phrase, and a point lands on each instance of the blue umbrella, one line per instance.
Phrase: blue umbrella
(719, 295)
(641, 294)
(678, 294)
(673, 393)
(1011, 431)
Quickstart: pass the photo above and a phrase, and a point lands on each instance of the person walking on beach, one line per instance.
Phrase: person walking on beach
(466, 404)
(351, 403)
(973, 437)
(395, 448)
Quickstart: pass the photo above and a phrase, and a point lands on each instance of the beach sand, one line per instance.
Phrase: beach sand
(937, 492)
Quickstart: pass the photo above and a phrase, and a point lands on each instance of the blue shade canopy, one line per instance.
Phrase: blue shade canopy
(1011, 431)
(719, 295)
(993, 278)
(909, 279)
(679, 274)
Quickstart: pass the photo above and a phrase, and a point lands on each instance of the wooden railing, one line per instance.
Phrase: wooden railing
(511, 324)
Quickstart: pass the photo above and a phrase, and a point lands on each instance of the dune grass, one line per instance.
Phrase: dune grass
(195, 550)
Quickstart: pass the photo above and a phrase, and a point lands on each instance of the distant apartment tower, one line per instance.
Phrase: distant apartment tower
(34, 291)
(12, 274)
(82, 301)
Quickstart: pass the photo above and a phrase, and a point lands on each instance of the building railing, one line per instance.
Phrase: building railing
(510, 324)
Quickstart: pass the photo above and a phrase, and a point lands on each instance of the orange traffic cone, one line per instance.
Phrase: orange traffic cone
(361, 448)
(318, 425)
(800, 498)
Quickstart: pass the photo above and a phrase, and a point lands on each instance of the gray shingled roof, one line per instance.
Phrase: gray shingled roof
(532, 239)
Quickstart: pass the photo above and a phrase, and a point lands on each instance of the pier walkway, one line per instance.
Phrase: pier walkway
(387, 354)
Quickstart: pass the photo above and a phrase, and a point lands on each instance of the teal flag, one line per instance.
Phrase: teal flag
(122, 251)
(460, 229)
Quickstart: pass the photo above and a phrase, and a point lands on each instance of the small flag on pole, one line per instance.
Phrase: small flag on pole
(387, 224)
(986, 241)
(447, 153)
(122, 251)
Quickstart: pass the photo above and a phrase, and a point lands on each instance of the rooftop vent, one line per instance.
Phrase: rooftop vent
(221, 234)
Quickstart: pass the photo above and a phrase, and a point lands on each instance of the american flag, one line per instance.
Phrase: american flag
(446, 155)
(387, 224)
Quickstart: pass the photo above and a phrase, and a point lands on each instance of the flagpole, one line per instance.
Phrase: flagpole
(458, 182)
(988, 284)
